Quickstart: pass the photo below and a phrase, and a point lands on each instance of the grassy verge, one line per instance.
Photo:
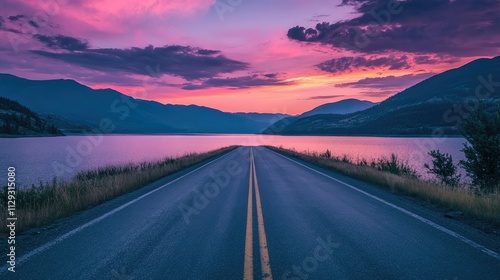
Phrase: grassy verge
(41, 205)
(401, 179)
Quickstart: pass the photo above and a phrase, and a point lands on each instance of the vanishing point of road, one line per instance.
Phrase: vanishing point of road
(255, 214)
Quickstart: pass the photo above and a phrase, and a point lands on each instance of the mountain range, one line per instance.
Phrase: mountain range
(436, 105)
(440, 102)
(77, 108)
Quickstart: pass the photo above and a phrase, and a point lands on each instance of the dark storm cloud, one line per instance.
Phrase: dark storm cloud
(254, 80)
(271, 75)
(62, 42)
(348, 64)
(33, 23)
(457, 28)
(17, 17)
(187, 62)
(207, 52)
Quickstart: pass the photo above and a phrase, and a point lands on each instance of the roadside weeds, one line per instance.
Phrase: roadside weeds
(484, 207)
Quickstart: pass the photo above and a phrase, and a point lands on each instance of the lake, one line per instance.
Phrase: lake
(41, 159)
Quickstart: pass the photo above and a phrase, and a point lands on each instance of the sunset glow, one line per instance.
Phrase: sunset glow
(255, 56)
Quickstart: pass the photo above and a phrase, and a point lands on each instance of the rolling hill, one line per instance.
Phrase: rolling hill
(16, 119)
(342, 107)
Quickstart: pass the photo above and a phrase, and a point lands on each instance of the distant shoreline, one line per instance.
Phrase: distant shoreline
(28, 136)
(8, 136)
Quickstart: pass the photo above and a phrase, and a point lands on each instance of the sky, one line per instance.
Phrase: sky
(278, 56)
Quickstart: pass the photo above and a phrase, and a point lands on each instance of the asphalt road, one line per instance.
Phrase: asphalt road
(254, 214)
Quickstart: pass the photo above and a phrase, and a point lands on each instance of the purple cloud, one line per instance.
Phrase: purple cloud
(348, 64)
(323, 97)
(62, 42)
(388, 82)
(187, 62)
(457, 28)
(434, 59)
(254, 80)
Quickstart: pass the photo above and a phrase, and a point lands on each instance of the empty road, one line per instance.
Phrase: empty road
(255, 214)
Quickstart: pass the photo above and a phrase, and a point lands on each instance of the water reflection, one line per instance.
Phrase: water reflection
(40, 159)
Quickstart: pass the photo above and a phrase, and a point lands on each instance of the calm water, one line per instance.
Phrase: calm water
(41, 159)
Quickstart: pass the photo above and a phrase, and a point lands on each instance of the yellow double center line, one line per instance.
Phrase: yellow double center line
(264, 253)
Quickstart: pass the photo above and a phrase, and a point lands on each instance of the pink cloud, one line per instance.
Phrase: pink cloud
(127, 8)
(108, 15)
(104, 21)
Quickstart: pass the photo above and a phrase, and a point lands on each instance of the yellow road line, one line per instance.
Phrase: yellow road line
(248, 269)
(264, 253)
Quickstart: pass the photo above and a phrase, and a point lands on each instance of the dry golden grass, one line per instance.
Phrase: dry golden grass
(485, 207)
(41, 205)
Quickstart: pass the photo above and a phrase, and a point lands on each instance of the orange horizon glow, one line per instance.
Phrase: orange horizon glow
(289, 99)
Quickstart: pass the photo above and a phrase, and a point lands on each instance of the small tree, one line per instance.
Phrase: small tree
(443, 168)
(52, 129)
(6, 128)
(326, 154)
(482, 152)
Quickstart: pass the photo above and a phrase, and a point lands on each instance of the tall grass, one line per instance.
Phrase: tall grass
(400, 178)
(40, 205)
